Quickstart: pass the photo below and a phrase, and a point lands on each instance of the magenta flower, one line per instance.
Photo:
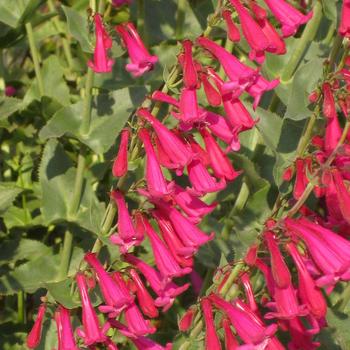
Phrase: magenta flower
(141, 343)
(34, 336)
(181, 253)
(201, 180)
(186, 319)
(266, 271)
(328, 106)
(189, 233)
(92, 333)
(329, 251)
(191, 204)
(277, 45)
(119, 3)
(127, 236)
(188, 107)
(344, 27)
(220, 163)
(212, 341)
(238, 114)
(190, 77)
(232, 30)
(141, 60)
(116, 299)
(300, 337)
(222, 129)
(280, 271)
(248, 325)
(136, 323)
(248, 288)
(289, 17)
(342, 194)
(252, 32)
(156, 184)
(65, 333)
(144, 299)
(301, 180)
(178, 152)
(213, 96)
(101, 62)
(236, 70)
(166, 291)
(333, 134)
(165, 262)
(308, 292)
(10, 91)
(231, 342)
(120, 164)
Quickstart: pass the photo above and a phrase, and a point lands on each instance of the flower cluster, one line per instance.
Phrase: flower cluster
(194, 150)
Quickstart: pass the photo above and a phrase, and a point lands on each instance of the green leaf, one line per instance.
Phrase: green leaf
(8, 193)
(78, 27)
(30, 276)
(61, 293)
(305, 80)
(339, 323)
(14, 13)
(54, 84)
(9, 105)
(57, 177)
(329, 9)
(28, 249)
(109, 114)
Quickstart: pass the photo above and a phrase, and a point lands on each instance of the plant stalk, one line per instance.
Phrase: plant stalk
(35, 56)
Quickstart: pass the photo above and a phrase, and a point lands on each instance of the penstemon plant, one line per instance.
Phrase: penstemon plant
(175, 174)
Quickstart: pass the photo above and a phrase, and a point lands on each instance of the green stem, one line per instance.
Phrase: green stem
(337, 44)
(78, 184)
(35, 57)
(141, 20)
(233, 275)
(304, 141)
(21, 305)
(345, 298)
(305, 39)
(85, 127)
(101, 7)
(66, 255)
(180, 18)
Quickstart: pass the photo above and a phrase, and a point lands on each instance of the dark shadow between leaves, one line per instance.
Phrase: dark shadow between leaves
(58, 164)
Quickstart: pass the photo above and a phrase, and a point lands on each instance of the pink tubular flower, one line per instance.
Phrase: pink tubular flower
(248, 325)
(65, 333)
(190, 77)
(231, 342)
(120, 164)
(165, 262)
(212, 95)
(249, 291)
(232, 30)
(181, 253)
(236, 71)
(34, 336)
(344, 27)
(252, 32)
(156, 183)
(301, 180)
(141, 343)
(191, 204)
(136, 323)
(101, 62)
(127, 236)
(145, 300)
(280, 271)
(308, 292)
(119, 3)
(332, 135)
(329, 251)
(300, 337)
(289, 17)
(212, 341)
(92, 333)
(166, 291)
(238, 114)
(201, 180)
(188, 107)
(189, 233)
(328, 107)
(116, 299)
(141, 60)
(342, 194)
(219, 162)
(177, 151)
(186, 320)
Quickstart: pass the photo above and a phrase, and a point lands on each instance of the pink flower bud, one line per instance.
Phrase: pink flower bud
(34, 336)
(120, 165)
(186, 320)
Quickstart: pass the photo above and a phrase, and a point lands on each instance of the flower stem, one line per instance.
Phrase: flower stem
(305, 39)
(85, 127)
(78, 184)
(66, 255)
(21, 305)
(35, 57)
